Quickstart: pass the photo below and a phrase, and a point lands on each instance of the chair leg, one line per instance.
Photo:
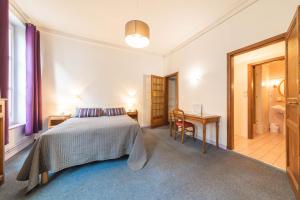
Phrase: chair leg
(182, 135)
(194, 133)
(171, 129)
(175, 133)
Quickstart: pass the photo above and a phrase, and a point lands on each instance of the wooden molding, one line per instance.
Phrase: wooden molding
(268, 60)
(250, 101)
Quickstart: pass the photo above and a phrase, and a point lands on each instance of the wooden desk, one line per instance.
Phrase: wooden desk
(204, 120)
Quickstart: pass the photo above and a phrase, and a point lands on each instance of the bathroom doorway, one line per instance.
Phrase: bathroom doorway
(172, 93)
(266, 98)
(259, 104)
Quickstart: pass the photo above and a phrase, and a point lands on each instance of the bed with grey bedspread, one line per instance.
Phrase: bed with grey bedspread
(82, 140)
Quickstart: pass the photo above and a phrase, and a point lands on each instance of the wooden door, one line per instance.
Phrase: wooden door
(292, 103)
(158, 98)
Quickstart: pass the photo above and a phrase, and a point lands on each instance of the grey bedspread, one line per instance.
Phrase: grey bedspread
(82, 140)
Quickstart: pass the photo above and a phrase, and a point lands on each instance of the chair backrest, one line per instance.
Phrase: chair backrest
(178, 115)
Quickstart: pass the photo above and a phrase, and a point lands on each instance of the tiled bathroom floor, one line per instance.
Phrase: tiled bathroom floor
(268, 148)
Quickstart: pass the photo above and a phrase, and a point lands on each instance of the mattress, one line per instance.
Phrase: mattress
(83, 140)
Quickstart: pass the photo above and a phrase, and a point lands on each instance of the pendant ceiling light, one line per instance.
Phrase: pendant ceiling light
(137, 34)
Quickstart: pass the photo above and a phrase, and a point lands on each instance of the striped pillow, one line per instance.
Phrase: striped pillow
(88, 112)
(115, 111)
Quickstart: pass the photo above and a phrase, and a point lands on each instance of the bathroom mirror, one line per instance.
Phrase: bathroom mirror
(281, 87)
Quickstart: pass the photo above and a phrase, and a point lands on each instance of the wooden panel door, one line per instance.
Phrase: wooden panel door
(292, 103)
(158, 98)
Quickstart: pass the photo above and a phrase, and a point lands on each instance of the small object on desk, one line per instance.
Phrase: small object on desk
(133, 114)
(57, 119)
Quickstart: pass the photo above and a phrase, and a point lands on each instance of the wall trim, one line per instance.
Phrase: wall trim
(26, 19)
(16, 10)
(94, 41)
(22, 144)
(234, 11)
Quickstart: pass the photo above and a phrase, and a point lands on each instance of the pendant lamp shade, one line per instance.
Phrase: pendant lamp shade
(137, 34)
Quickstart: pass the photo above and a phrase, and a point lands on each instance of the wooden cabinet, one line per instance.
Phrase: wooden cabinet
(2, 122)
(57, 119)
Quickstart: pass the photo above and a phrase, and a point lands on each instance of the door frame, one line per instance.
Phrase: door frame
(230, 81)
(176, 74)
(251, 106)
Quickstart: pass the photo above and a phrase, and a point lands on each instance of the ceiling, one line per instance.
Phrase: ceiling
(171, 21)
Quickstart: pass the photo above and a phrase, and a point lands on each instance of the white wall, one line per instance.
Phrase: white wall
(101, 76)
(202, 65)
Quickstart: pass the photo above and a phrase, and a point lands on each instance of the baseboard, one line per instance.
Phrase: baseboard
(214, 143)
(208, 141)
(22, 144)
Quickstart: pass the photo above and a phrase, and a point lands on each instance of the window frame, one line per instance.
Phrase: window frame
(11, 78)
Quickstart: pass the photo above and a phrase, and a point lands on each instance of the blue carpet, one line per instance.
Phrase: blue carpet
(174, 171)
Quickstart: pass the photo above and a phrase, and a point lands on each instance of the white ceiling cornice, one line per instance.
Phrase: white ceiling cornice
(239, 8)
(93, 41)
(26, 19)
(16, 10)
(232, 12)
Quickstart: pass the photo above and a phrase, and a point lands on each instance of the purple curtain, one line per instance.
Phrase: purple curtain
(33, 81)
(4, 20)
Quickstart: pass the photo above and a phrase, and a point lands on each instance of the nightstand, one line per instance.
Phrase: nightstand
(57, 119)
(133, 114)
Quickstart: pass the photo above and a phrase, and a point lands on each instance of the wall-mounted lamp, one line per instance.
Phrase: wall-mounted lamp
(195, 76)
(130, 100)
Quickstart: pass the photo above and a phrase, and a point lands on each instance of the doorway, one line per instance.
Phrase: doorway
(259, 107)
(171, 93)
(292, 95)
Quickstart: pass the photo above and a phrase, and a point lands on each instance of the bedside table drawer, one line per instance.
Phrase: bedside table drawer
(133, 115)
(55, 120)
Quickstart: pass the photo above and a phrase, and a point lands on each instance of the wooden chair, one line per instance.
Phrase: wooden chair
(181, 125)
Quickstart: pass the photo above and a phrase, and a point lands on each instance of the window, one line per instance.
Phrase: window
(17, 75)
(11, 76)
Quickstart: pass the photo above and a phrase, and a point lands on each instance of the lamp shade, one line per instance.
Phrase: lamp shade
(137, 34)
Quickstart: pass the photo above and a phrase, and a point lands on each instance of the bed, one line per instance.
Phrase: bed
(83, 140)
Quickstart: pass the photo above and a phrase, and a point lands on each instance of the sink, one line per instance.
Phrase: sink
(278, 108)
